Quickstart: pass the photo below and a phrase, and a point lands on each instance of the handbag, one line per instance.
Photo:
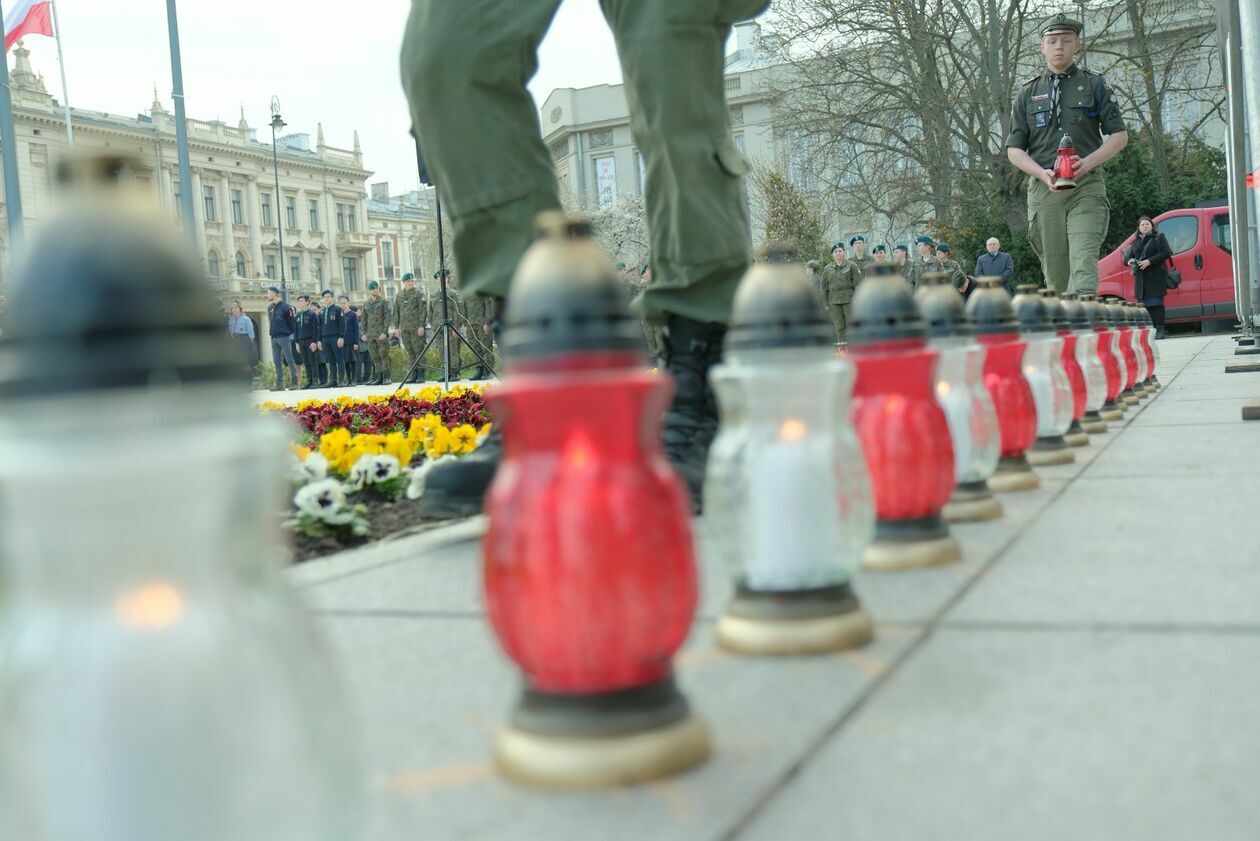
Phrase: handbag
(1173, 274)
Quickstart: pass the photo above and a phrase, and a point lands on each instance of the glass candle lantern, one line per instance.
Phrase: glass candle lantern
(1057, 309)
(160, 680)
(1086, 350)
(973, 422)
(1137, 333)
(788, 499)
(997, 328)
(1113, 407)
(1043, 369)
(589, 603)
(1151, 347)
(1123, 348)
(904, 434)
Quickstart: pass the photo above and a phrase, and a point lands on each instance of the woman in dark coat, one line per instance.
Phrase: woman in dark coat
(241, 329)
(1147, 257)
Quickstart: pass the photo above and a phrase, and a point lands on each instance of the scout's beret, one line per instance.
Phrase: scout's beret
(880, 247)
(839, 245)
(373, 285)
(942, 246)
(1060, 23)
(409, 276)
(923, 241)
(857, 239)
(904, 248)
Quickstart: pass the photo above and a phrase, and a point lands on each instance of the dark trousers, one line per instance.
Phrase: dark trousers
(310, 362)
(366, 368)
(332, 358)
(350, 361)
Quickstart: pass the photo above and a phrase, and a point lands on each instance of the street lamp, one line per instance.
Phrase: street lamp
(276, 125)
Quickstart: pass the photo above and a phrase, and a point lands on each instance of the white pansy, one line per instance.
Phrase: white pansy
(324, 500)
(361, 473)
(315, 467)
(384, 468)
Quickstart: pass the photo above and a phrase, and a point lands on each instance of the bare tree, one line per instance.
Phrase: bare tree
(785, 213)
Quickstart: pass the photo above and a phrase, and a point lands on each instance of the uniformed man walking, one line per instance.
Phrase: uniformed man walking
(839, 281)
(465, 69)
(374, 322)
(1066, 227)
(411, 313)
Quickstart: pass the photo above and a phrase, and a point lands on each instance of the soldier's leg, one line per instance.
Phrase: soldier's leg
(413, 345)
(465, 64)
(837, 319)
(380, 358)
(697, 222)
(846, 318)
(1089, 213)
(1047, 231)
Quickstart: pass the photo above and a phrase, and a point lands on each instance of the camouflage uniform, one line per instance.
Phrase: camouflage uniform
(838, 285)
(457, 313)
(374, 320)
(411, 314)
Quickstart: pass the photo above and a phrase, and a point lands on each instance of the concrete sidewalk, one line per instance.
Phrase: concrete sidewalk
(1087, 672)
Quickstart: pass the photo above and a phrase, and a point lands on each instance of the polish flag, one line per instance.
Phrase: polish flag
(27, 17)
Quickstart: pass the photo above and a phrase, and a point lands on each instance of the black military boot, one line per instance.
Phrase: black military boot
(457, 487)
(691, 349)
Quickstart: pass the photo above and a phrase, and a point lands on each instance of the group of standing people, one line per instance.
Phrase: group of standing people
(338, 344)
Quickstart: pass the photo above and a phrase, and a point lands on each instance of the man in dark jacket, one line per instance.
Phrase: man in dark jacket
(332, 339)
(995, 262)
(282, 321)
(308, 339)
(350, 338)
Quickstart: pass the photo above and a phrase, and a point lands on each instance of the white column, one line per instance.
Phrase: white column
(229, 236)
(199, 215)
(330, 225)
(166, 189)
(253, 213)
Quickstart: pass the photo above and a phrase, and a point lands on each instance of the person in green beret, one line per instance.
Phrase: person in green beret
(1066, 226)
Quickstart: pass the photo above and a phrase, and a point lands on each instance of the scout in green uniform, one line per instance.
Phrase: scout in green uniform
(901, 259)
(411, 314)
(880, 254)
(861, 260)
(458, 315)
(374, 320)
(925, 261)
(839, 281)
(1066, 227)
(465, 66)
(951, 268)
(814, 273)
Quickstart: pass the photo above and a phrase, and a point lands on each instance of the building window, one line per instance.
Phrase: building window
(341, 218)
(238, 208)
(387, 258)
(295, 268)
(313, 206)
(290, 211)
(606, 180)
(350, 220)
(271, 266)
(641, 168)
(207, 194)
(240, 264)
(317, 271)
(739, 141)
(212, 264)
(179, 205)
(350, 273)
(266, 209)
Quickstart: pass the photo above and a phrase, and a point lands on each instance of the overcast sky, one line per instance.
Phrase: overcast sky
(241, 52)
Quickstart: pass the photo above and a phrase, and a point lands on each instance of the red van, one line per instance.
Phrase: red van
(1200, 244)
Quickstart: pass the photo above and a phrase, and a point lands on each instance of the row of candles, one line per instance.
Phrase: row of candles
(823, 461)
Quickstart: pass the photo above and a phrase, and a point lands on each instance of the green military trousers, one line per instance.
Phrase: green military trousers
(465, 65)
(841, 316)
(1067, 228)
(411, 343)
(379, 351)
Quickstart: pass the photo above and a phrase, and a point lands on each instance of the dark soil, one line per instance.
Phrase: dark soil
(388, 519)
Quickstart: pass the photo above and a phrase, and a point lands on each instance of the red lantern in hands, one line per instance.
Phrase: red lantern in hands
(1064, 171)
(997, 329)
(590, 603)
(904, 433)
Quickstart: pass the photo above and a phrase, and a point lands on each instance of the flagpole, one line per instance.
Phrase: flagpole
(8, 139)
(181, 127)
(65, 88)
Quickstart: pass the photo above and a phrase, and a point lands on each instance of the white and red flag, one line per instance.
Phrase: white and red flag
(27, 17)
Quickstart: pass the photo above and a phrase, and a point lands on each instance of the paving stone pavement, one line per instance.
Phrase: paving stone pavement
(1086, 672)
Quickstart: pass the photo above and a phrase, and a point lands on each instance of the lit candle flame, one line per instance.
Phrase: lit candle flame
(792, 430)
(150, 606)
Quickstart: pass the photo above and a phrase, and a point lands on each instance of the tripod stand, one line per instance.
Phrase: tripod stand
(446, 330)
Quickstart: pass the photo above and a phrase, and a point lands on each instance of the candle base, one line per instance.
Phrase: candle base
(1048, 451)
(762, 636)
(971, 502)
(911, 544)
(1093, 423)
(1014, 474)
(1130, 399)
(582, 762)
(607, 739)
(1076, 435)
(1112, 411)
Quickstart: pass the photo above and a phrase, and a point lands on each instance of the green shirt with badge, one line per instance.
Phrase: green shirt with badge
(1087, 111)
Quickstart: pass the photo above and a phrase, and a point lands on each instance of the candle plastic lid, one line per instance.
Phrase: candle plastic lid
(1055, 309)
(942, 307)
(775, 307)
(1031, 311)
(990, 310)
(884, 310)
(1077, 314)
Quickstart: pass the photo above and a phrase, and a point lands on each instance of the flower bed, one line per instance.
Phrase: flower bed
(358, 465)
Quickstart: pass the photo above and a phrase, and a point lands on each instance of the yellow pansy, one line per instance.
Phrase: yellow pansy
(333, 444)
(397, 445)
(463, 438)
(299, 451)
